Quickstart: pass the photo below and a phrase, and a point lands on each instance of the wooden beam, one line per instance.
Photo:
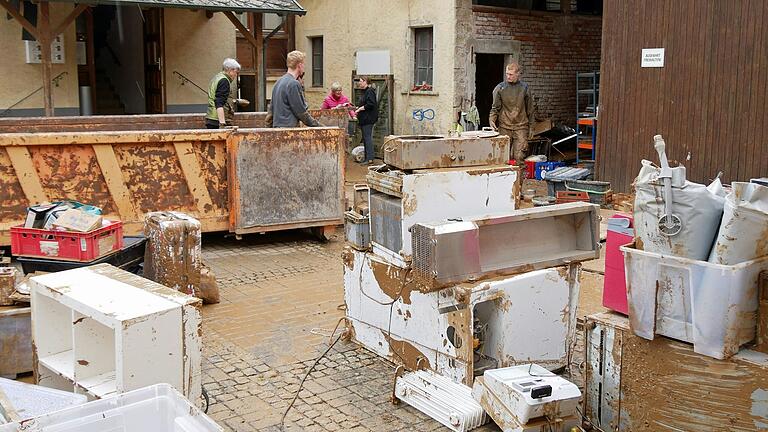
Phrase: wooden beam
(241, 28)
(290, 29)
(68, 20)
(258, 29)
(45, 40)
(17, 16)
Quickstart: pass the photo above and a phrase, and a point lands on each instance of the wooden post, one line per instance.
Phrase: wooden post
(45, 39)
(258, 30)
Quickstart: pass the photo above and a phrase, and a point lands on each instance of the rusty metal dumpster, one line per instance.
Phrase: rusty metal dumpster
(131, 172)
(285, 178)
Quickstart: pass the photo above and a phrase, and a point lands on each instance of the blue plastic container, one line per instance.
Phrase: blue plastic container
(546, 166)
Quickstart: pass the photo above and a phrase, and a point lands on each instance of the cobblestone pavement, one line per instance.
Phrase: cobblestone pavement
(280, 300)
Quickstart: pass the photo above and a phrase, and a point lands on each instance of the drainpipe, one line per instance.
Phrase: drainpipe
(263, 66)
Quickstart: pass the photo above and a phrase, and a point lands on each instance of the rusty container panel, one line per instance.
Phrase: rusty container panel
(126, 173)
(286, 178)
(436, 151)
(15, 340)
(331, 117)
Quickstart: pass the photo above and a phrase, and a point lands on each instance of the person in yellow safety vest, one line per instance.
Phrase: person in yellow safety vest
(234, 104)
(218, 92)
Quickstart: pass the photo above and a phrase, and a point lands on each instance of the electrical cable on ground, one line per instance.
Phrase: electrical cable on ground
(309, 371)
(207, 400)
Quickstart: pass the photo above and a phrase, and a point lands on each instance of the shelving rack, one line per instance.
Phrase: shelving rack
(587, 99)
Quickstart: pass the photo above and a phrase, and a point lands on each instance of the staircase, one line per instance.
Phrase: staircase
(107, 99)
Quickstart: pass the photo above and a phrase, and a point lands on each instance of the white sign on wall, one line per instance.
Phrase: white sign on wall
(652, 57)
(373, 62)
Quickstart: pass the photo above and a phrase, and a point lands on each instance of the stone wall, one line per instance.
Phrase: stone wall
(552, 48)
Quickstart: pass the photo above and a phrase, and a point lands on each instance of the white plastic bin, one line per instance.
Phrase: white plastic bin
(710, 305)
(29, 400)
(157, 408)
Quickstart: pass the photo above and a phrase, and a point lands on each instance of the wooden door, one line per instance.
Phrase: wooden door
(154, 60)
(489, 72)
(384, 125)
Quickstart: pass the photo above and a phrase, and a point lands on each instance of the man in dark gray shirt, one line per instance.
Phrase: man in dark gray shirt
(288, 106)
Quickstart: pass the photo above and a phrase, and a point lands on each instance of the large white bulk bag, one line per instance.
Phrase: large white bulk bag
(698, 208)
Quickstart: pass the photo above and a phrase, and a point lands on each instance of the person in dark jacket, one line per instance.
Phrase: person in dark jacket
(288, 105)
(367, 115)
(512, 112)
(218, 92)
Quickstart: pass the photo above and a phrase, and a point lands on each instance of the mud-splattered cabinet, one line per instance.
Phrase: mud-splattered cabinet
(101, 331)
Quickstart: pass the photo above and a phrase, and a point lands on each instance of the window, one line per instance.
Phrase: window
(317, 61)
(422, 59)
(278, 45)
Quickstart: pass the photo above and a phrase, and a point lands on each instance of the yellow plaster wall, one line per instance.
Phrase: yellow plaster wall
(195, 46)
(350, 25)
(20, 79)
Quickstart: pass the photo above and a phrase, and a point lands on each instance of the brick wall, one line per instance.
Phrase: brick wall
(553, 48)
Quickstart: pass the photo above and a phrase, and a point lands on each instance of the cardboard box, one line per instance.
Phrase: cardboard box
(77, 220)
(53, 215)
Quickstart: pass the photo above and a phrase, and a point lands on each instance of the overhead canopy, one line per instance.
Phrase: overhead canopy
(259, 6)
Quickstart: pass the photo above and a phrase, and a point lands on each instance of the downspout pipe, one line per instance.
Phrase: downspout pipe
(263, 66)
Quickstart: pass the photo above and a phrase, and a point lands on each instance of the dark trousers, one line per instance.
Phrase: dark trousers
(368, 141)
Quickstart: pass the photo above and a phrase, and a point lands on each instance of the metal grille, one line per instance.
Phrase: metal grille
(423, 249)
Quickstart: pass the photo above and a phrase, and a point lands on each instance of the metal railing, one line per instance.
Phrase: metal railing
(185, 80)
(55, 81)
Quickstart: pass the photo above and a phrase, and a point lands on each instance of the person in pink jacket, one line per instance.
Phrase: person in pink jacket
(337, 99)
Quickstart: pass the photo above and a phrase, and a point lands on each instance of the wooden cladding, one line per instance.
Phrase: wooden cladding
(709, 101)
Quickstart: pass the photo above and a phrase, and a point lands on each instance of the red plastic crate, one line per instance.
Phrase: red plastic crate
(530, 169)
(67, 245)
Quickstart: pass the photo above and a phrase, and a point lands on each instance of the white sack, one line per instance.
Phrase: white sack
(698, 207)
(743, 233)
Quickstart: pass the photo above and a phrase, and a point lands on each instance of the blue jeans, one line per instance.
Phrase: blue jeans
(368, 141)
